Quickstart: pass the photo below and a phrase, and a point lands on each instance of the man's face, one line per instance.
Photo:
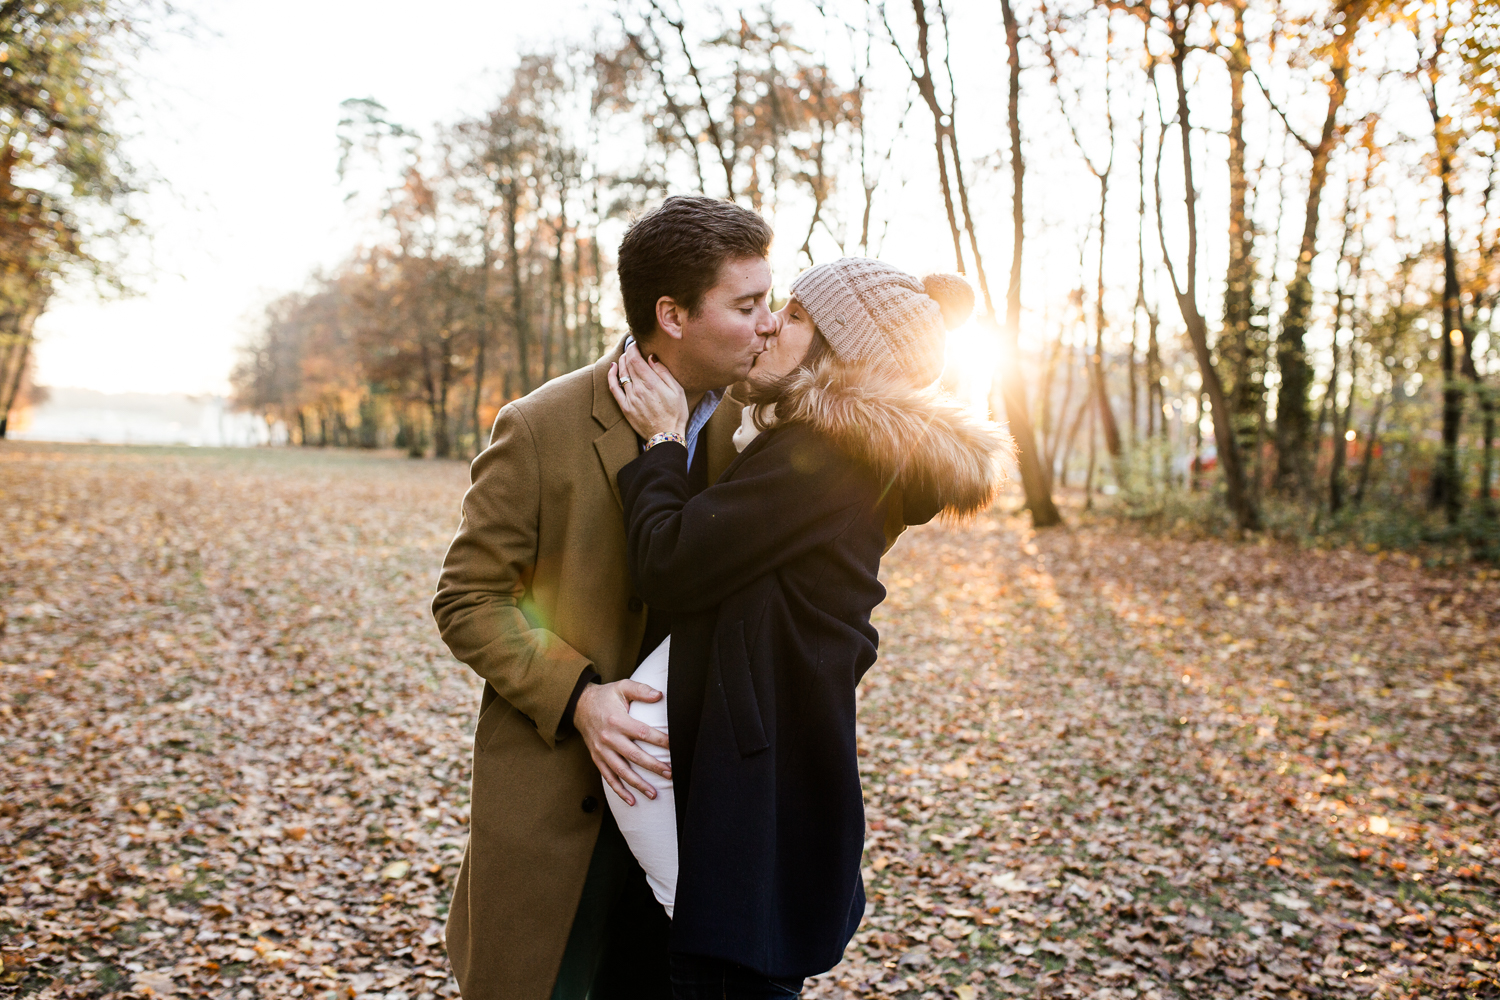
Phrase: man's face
(722, 337)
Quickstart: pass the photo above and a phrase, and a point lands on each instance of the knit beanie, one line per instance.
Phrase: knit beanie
(879, 317)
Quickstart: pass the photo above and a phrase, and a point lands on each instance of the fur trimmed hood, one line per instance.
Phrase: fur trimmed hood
(943, 458)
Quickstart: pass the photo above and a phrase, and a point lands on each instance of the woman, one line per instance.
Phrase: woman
(770, 576)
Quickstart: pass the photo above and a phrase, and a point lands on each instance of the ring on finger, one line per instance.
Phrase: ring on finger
(626, 380)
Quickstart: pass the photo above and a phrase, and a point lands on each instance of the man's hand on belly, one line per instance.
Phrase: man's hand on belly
(602, 718)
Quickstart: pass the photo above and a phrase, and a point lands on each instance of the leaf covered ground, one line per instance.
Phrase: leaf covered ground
(234, 754)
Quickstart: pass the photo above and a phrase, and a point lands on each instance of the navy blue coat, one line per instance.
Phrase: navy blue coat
(769, 577)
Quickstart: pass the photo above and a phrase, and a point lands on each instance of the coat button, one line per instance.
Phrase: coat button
(635, 603)
(590, 804)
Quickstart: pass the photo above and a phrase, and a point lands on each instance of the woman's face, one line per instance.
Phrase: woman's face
(786, 347)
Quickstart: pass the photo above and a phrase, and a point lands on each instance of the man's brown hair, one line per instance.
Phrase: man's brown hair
(677, 249)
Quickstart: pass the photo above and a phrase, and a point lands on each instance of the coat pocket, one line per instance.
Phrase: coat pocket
(490, 719)
(739, 691)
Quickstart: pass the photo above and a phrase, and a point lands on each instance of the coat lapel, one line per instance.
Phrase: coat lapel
(617, 446)
(720, 430)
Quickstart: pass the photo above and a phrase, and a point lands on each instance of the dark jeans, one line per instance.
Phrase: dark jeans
(698, 978)
(617, 949)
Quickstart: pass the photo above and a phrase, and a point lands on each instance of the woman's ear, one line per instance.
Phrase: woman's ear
(670, 316)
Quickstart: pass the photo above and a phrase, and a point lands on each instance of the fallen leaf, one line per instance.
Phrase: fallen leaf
(160, 983)
(1010, 882)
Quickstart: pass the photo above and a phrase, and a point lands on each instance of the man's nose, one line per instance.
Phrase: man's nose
(769, 325)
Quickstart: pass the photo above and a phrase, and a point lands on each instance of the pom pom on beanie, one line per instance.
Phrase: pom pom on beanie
(953, 295)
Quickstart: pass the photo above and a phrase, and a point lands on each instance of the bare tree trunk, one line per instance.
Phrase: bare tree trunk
(928, 90)
(1101, 174)
(1064, 428)
(1079, 417)
(1156, 396)
(1331, 401)
(1052, 429)
(1258, 473)
(1341, 424)
(1140, 288)
(1088, 480)
(1447, 478)
(556, 335)
(1096, 359)
(1038, 499)
(1186, 291)
(411, 433)
(1487, 467)
(24, 329)
(596, 261)
(481, 340)
(1292, 417)
(958, 170)
(1344, 308)
(437, 365)
(1195, 468)
(1486, 393)
(581, 353)
(517, 291)
(560, 281)
(1044, 513)
(1372, 438)
(1236, 351)
(1154, 367)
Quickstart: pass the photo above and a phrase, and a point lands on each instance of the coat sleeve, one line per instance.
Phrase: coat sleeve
(783, 499)
(481, 594)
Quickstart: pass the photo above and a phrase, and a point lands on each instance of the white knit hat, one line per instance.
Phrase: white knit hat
(877, 316)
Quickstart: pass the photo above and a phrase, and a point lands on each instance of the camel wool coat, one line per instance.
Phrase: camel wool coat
(535, 589)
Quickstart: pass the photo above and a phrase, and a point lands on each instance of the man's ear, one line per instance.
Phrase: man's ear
(670, 316)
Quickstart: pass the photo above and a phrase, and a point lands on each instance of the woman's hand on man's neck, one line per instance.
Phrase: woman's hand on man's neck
(666, 351)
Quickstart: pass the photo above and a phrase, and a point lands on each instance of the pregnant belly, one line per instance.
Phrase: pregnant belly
(653, 673)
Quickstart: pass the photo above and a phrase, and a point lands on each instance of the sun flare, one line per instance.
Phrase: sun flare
(969, 361)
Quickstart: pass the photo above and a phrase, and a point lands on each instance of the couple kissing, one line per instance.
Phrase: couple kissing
(664, 575)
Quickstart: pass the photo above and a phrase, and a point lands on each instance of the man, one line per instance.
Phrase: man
(536, 598)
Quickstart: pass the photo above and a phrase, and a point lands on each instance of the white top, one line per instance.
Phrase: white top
(650, 826)
(747, 431)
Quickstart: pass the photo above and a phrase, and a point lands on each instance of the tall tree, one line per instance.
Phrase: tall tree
(1344, 308)
(1037, 486)
(1457, 337)
(1185, 283)
(1101, 172)
(63, 181)
(961, 223)
(1242, 343)
(1293, 419)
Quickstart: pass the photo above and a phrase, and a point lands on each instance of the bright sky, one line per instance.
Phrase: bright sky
(240, 123)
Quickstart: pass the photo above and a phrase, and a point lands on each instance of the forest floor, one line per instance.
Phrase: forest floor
(234, 753)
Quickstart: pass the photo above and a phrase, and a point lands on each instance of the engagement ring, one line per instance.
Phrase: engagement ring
(626, 380)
